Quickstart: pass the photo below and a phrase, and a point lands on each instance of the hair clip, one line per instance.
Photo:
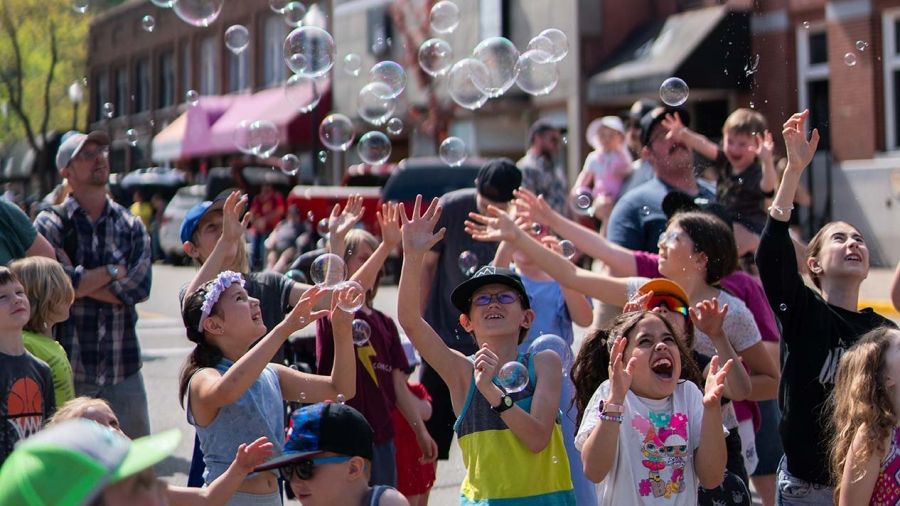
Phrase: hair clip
(221, 283)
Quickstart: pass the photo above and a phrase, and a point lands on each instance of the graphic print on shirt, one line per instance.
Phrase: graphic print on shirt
(25, 407)
(664, 449)
(366, 355)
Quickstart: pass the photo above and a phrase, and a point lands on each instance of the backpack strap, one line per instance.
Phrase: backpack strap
(70, 235)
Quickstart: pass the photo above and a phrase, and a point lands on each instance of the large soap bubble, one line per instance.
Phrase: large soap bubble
(555, 344)
(391, 74)
(309, 51)
(374, 148)
(463, 89)
(560, 43)
(328, 270)
(541, 43)
(499, 57)
(198, 12)
(536, 74)
(444, 17)
(674, 91)
(435, 57)
(302, 92)
(356, 298)
(453, 151)
(374, 103)
(513, 377)
(336, 132)
(237, 38)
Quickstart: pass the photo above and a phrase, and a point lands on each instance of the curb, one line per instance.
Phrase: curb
(883, 307)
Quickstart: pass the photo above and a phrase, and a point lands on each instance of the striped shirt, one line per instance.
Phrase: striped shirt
(100, 338)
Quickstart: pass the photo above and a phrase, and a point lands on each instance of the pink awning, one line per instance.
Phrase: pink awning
(188, 135)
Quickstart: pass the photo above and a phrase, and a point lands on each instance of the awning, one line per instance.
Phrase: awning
(188, 135)
(709, 48)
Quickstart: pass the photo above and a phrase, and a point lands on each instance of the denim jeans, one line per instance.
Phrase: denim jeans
(128, 401)
(790, 490)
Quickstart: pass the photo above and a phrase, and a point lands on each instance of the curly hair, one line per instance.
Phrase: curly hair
(591, 367)
(861, 401)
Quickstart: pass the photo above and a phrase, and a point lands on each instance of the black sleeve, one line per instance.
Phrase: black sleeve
(776, 259)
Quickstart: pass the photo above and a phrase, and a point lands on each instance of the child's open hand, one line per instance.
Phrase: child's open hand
(340, 222)
(389, 222)
(249, 456)
(532, 207)
(620, 374)
(709, 317)
(232, 225)
(418, 231)
(638, 303)
(800, 151)
(485, 367)
(496, 226)
(715, 382)
(672, 123)
(346, 295)
(765, 146)
(304, 312)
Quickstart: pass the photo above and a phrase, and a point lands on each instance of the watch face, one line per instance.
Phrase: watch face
(507, 401)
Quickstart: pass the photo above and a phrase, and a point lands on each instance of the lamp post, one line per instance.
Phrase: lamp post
(76, 94)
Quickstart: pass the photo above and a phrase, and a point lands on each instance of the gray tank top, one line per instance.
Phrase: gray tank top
(257, 413)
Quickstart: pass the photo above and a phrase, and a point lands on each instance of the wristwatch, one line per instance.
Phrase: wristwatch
(113, 271)
(506, 402)
(608, 408)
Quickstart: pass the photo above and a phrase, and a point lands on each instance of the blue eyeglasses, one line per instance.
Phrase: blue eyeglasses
(304, 469)
(502, 297)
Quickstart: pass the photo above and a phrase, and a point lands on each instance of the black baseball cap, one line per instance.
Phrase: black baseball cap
(656, 115)
(679, 202)
(487, 275)
(497, 179)
(540, 126)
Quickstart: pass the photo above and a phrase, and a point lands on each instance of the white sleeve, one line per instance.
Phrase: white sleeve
(632, 284)
(694, 401)
(739, 326)
(591, 415)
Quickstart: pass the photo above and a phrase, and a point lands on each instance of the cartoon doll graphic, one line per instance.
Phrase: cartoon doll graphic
(664, 445)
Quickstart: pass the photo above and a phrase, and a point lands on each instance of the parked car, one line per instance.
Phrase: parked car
(170, 229)
(149, 181)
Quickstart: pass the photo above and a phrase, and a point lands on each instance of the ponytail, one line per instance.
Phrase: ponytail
(204, 355)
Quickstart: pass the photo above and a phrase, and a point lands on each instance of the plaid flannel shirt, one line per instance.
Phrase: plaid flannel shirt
(100, 338)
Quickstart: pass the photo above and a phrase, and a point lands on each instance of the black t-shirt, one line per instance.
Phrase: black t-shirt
(814, 336)
(26, 399)
(740, 193)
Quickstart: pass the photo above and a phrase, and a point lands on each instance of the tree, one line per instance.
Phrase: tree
(42, 50)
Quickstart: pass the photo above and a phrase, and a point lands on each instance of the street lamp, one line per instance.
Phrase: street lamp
(76, 94)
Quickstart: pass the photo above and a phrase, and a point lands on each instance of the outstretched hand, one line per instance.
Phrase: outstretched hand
(672, 123)
(304, 311)
(800, 151)
(765, 146)
(342, 221)
(417, 232)
(233, 225)
(249, 456)
(709, 317)
(532, 207)
(495, 226)
(715, 382)
(638, 303)
(620, 373)
(389, 222)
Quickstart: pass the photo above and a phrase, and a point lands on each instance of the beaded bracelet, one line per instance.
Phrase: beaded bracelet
(611, 418)
(780, 211)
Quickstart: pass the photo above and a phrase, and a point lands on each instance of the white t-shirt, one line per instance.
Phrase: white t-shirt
(655, 459)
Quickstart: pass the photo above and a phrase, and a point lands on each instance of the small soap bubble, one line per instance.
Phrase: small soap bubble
(148, 23)
(309, 50)
(302, 92)
(751, 67)
(453, 151)
(395, 126)
(237, 38)
(108, 110)
(336, 132)
(341, 399)
(435, 57)
(192, 97)
(391, 74)
(850, 59)
(328, 270)
(584, 199)
(200, 13)
(132, 136)
(374, 148)
(352, 64)
(674, 92)
(293, 14)
(468, 263)
(357, 296)
(80, 6)
(302, 396)
(513, 377)
(782, 307)
(559, 41)
(861, 45)
(362, 331)
(323, 156)
(500, 57)
(536, 228)
(567, 248)
(374, 103)
(322, 227)
(806, 25)
(290, 164)
(645, 210)
(554, 459)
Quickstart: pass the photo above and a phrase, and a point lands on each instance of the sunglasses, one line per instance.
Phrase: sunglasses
(304, 469)
(502, 297)
(671, 303)
(92, 154)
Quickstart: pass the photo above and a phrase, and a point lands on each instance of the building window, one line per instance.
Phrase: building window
(142, 85)
(186, 68)
(208, 66)
(237, 72)
(166, 75)
(379, 31)
(493, 18)
(121, 92)
(100, 85)
(273, 49)
(812, 76)
(891, 61)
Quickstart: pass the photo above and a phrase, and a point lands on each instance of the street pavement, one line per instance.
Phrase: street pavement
(165, 347)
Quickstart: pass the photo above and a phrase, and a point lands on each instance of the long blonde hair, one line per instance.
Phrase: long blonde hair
(46, 285)
(861, 401)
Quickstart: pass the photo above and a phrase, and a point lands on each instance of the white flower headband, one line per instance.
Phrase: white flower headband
(222, 282)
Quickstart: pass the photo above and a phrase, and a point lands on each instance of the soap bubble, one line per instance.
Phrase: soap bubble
(132, 136)
(782, 307)
(806, 25)
(395, 126)
(468, 263)
(374, 148)
(336, 132)
(541, 43)
(309, 50)
(302, 92)
(148, 23)
(555, 344)
(165, 4)
(192, 97)
(584, 199)
(752, 66)
(560, 43)
(567, 249)
(513, 377)
(536, 74)
(674, 91)
(499, 57)
(391, 74)
(290, 164)
(536, 228)
(850, 59)
(198, 12)
(357, 297)
(323, 156)
(645, 211)
(108, 110)
(462, 86)
(453, 151)
(444, 17)
(435, 57)
(322, 227)
(374, 104)
(237, 38)
(362, 331)
(327, 270)
(862, 45)
(241, 137)
(264, 137)
(293, 13)
(352, 64)
(80, 6)
(278, 6)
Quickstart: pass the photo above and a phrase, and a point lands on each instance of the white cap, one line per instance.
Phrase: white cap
(73, 142)
(611, 122)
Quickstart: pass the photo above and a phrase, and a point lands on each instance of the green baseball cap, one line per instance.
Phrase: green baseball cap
(71, 463)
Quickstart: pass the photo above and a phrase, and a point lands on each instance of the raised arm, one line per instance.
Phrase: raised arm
(220, 491)
(580, 309)
(711, 455)
(340, 222)
(389, 222)
(693, 140)
(765, 148)
(602, 445)
(709, 318)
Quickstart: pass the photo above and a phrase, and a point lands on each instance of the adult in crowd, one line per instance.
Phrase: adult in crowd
(268, 210)
(20, 239)
(818, 325)
(637, 220)
(105, 250)
(442, 272)
(641, 170)
(540, 172)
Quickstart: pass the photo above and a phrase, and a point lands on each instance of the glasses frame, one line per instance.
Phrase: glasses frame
(307, 472)
(90, 156)
(492, 296)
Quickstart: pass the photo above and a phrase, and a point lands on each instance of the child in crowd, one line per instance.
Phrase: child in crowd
(511, 440)
(744, 165)
(865, 429)
(380, 382)
(26, 383)
(606, 168)
(646, 434)
(415, 475)
(218, 492)
(328, 458)
(50, 294)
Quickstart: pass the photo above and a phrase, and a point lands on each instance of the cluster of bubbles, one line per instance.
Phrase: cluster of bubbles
(850, 57)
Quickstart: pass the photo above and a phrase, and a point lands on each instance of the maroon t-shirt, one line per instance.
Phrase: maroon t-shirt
(375, 363)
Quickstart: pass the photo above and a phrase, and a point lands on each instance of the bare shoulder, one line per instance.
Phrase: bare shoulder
(392, 497)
